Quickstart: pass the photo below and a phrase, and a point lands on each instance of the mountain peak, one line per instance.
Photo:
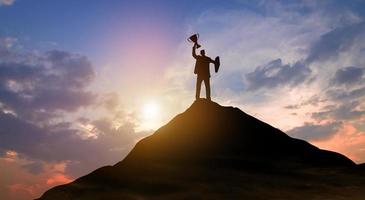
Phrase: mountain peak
(212, 149)
(204, 103)
(207, 130)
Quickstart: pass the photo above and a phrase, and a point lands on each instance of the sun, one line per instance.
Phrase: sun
(150, 116)
(151, 111)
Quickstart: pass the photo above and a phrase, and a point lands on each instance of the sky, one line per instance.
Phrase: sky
(82, 81)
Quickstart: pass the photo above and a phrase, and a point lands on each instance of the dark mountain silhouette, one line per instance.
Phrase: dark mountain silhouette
(216, 152)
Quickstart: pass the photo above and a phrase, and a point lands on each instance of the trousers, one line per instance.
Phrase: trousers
(199, 81)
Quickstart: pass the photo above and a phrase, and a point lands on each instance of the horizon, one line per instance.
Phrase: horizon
(94, 76)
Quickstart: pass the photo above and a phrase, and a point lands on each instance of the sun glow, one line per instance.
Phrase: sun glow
(150, 116)
(150, 111)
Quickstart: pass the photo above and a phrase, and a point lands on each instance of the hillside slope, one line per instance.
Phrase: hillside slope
(216, 152)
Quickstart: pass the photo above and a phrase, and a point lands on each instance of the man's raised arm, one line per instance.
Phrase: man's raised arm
(193, 52)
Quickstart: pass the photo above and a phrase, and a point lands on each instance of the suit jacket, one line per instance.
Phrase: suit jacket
(202, 66)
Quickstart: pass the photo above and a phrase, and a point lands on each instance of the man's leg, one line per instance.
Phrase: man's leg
(207, 87)
(198, 87)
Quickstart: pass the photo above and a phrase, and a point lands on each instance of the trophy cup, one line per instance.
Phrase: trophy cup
(194, 39)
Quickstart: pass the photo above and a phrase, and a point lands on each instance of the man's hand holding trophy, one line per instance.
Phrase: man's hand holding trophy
(194, 39)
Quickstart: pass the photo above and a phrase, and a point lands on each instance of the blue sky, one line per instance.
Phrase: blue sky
(97, 76)
(82, 25)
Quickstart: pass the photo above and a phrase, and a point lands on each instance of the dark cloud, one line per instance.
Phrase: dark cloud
(345, 95)
(45, 84)
(331, 44)
(34, 167)
(315, 132)
(347, 76)
(275, 73)
(295, 106)
(313, 100)
(346, 111)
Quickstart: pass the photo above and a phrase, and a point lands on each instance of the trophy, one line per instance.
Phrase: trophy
(194, 39)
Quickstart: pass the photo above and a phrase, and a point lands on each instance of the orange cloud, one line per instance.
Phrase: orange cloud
(20, 183)
(348, 141)
(58, 179)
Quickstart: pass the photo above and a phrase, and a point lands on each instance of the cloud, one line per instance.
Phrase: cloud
(110, 101)
(346, 85)
(45, 84)
(314, 132)
(6, 2)
(313, 100)
(345, 94)
(338, 40)
(275, 73)
(296, 106)
(347, 76)
(345, 111)
(34, 167)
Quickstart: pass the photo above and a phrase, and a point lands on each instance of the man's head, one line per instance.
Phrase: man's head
(202, 52)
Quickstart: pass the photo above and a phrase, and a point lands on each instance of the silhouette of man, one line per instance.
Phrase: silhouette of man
(202, 70)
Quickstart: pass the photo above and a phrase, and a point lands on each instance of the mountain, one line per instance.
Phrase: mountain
(216, 152)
